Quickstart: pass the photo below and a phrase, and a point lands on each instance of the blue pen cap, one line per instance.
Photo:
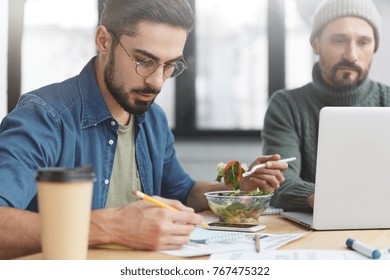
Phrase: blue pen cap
(349, 242)
(376, 255)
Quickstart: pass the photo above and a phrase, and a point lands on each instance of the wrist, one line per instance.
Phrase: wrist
(310, 200)
(100, 231)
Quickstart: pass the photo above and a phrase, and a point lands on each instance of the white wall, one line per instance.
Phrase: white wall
(3, 56)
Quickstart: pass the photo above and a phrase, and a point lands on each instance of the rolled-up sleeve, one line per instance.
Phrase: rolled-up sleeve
(3, 202)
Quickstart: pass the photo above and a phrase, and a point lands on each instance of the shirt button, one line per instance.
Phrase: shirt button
(106, 181)
(111, 142)
(113, 123)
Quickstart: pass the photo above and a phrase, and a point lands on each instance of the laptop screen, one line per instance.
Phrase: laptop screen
(353, 170)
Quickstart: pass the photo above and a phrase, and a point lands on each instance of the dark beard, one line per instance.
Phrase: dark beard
(121, 96)
(344, 83)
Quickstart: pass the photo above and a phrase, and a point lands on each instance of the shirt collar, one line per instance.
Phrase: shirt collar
(94, 108)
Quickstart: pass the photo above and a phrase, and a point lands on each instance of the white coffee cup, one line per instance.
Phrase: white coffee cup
(64, 202)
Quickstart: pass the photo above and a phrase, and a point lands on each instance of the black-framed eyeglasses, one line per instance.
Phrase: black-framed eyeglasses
(148, 66)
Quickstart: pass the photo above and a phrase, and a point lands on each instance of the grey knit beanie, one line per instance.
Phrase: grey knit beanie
(330, 10)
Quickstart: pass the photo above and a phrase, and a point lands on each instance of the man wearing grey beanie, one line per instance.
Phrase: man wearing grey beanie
(345, 36)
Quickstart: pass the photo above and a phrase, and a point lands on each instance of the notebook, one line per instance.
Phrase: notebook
(353, 170)
(200, 235)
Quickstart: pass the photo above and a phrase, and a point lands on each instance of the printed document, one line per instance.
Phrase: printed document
(269, 242)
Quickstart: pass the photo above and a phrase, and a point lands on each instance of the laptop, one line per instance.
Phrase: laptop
(353, 170)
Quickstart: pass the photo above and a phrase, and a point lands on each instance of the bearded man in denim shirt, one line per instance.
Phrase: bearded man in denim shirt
(105, 116)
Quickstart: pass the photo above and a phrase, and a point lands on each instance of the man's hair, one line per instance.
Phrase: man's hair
(123, 16)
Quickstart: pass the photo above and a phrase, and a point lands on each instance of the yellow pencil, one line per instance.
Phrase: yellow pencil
(159, 203)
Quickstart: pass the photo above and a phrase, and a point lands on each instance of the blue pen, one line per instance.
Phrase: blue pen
(363, 249)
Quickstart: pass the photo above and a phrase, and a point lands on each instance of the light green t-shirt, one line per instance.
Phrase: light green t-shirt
(124, 177)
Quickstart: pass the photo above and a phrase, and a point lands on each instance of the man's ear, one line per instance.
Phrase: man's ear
(316, 46)
(103, 40)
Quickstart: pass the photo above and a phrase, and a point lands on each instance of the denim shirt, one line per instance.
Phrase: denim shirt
(68, 124)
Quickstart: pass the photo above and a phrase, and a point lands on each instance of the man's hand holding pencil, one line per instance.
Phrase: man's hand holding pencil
(143, 225)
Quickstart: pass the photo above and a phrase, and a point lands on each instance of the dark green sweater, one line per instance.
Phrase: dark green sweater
(291, 130)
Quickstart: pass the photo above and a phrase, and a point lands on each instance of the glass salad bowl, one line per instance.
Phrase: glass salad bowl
(238, 208)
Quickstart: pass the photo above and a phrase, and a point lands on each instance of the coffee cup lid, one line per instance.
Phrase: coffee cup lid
(65, 174)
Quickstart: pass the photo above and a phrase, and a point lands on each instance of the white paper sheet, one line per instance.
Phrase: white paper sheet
(269, 242)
